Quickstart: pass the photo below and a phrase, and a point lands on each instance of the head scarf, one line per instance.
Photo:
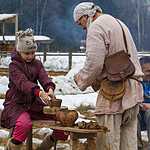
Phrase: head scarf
(25, 41)
(85, 8)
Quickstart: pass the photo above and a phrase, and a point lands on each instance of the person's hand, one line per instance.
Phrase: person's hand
(51, 93)
(146, 106)
(77, 79)
(44, 97)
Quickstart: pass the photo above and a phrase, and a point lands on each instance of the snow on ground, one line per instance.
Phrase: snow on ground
(1, 104)
(144, 136)
(3, 133)
(73, 101)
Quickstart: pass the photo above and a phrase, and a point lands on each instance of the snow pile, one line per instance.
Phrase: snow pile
(4, 62)
(56, 63)
(4, 80)
(61, 63)
(144, 136)
(4, 133)
(66, 84)
(42, 131)
(73, 101)
(3, 84)
(2, 148)
(1, 105)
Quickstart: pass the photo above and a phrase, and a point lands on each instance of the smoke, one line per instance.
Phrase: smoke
(59, 24)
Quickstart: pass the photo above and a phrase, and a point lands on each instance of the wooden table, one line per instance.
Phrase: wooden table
(75, 134)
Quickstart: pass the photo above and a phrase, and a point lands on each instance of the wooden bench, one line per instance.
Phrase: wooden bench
(75, 134)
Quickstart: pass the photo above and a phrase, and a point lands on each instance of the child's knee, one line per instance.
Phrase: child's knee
(24, 121)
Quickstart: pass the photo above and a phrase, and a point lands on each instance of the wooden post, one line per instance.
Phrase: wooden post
(29, 141)
(75, 144)
(91, 143)
(16, 23)
(45, 52)
(74, 141)
(55, 144)
(70, 59)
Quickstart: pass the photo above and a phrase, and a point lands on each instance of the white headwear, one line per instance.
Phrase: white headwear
(85, 8)
(25, 41)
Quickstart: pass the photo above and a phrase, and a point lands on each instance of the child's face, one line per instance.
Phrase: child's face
(146, 71)
(28, 56)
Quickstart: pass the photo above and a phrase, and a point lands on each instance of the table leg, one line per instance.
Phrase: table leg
(29, 140)
(91, 143)
(74, 142)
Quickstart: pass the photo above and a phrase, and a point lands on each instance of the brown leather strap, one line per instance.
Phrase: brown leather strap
(136, 79)
(124, 36)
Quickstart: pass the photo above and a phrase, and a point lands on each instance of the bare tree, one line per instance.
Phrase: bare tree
(42, 16)
(37, 16)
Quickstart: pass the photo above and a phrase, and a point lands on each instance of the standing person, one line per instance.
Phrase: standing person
(24, 99)
(105, 37)
(144, 113)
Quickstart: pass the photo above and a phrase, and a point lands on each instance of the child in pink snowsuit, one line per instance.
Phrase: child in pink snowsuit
(24, 99)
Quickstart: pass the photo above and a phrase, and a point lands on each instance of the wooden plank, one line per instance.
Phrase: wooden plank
(43, 123)
(3, 71)
(57, 73)
(56, 126)
(75, 129)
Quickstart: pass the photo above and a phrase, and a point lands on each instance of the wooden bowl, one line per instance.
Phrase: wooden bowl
(67, 117)
(53, 107)
(56, 103)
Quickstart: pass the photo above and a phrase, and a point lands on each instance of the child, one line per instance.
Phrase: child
(24, 99)
(144, 114)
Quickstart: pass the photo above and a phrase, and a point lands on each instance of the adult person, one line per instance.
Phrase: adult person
(24, 99)
(144, 113)
(105, 37)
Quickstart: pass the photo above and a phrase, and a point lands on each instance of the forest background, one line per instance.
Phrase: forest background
(54, 18)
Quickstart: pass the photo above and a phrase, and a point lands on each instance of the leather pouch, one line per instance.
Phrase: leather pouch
(119, 66)
(112, 90)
